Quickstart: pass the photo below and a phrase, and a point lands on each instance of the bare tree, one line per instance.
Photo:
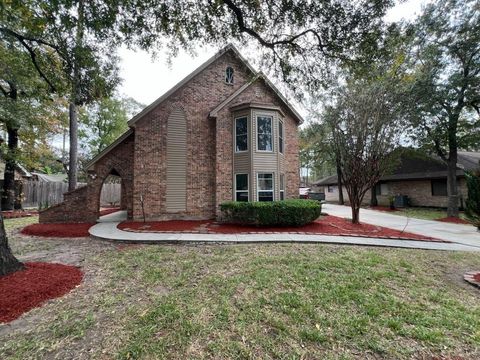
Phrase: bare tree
(365, 122)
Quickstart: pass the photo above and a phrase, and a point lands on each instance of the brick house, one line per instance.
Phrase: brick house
(422, 178)
(222, 133)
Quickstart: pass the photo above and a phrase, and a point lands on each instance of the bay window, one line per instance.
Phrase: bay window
(241, 187)
(264, 133)
(265, 187)
(282, 187)
(241, 134)
(280, 137)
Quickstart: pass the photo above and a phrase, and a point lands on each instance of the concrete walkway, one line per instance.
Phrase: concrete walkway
(458, 233)
(107, 229)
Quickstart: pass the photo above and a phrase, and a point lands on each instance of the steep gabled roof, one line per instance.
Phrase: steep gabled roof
(197, 71)
(259, 76)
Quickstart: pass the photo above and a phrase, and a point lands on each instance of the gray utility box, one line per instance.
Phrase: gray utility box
(401, 201)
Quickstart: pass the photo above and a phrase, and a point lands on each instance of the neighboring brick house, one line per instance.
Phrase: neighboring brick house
(422, 178)
(222, 133)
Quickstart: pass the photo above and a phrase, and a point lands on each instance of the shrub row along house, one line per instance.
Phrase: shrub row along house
(422, 178)
(223, 133)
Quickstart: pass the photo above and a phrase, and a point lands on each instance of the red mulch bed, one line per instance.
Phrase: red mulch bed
(107, 211)
(169, 225)
(327, 225)
(30, 288)
(453, 220)
(18, 214)
(64, 230)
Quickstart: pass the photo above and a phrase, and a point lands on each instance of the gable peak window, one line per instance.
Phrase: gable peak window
(229, 75)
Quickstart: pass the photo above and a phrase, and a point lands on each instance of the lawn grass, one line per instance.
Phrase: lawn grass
(11, 224)
(287, 301)
(423, 213)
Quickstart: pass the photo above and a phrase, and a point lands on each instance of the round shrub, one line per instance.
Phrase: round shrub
(292, 212)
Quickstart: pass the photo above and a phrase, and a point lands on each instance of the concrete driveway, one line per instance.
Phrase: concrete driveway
(458, 233)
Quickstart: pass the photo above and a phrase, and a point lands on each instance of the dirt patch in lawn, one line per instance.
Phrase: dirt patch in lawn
(31, 287)
(18, 214)
(64, 230)
(453, 220)
(382, 208)
(327, 225)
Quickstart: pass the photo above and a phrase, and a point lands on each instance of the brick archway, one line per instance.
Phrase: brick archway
(83, 204)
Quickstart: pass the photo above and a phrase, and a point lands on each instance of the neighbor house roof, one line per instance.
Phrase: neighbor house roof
(415, 166)
(51, 177)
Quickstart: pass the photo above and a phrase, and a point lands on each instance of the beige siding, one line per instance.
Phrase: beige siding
(176, 161)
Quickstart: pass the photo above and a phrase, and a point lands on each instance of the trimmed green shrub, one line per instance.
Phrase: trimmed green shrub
(292, 212)
(472, 209)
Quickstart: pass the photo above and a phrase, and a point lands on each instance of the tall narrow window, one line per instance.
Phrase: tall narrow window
(280, 136)
(241, 187)
(282, 187)
(229, 75)
(264, 133)
(265, 187)
(241, 134)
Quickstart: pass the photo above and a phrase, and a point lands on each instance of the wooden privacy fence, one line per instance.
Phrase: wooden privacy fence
(40, 194)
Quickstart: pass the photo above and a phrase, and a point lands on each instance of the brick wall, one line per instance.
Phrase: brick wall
(197, 98)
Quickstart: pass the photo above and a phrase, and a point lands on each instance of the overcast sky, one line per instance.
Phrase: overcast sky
(145, 79)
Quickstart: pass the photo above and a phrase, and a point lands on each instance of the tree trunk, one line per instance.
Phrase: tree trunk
(452, 191)
(72, 162)
(341, 201)
(373, 197)
(8, 195)
(355, 212)
(75, 100)
(8, 262)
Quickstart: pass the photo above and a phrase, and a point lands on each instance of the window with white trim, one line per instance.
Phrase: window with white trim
(241, 187)
(264, 133)
(280, 137)
(282, 187)
(229, 75)
(241, 134)
(265, 187)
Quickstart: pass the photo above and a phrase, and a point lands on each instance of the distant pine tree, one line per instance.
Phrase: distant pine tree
(473, 201)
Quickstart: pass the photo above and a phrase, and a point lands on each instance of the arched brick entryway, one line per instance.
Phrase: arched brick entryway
(82, 204)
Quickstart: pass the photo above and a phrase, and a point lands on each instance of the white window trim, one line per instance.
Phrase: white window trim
(281, 149)
(241, 191)
(273, 133)
(273, 185)
(235, 133)
(282, 189)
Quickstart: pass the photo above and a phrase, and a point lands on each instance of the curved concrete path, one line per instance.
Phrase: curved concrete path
(458, 233)
(107, 229)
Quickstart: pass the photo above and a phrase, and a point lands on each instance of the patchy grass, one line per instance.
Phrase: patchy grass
(287, 301)
(11, 224)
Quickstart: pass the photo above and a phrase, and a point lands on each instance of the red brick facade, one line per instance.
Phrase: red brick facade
(140, 160)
